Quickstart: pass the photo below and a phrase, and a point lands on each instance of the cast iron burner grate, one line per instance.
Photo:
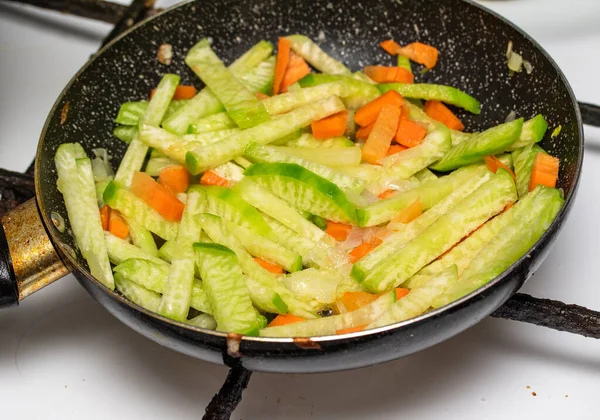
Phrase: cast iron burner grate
(16, 188)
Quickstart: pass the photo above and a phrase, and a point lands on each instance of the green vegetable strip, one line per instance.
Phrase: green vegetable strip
(177, 293)
(241, 104)
(260, 78)
(441, 93)
(139, 295)
(142, 237)
(205, 321)
(130, 112)
(346, 156)
(135, 208)
(76, 183)
(120, 250)
(529, 223)
(215, 122)
(272, 154)
(125, 133)
(523, 159)
(329, 325)
(174, 106)
(226, 290)
(136, 152)
(404, 62)
(418, 300)
(157, 164)
(533, 131)
(485, 202)
(405, 233)
(154, 276)
(204, 158)
(308, 141)
(311, 52)
(251, 58)
(490, 142)
(356, 91)
(167, 251)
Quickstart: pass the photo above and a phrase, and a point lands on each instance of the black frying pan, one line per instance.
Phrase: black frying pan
(472, 42)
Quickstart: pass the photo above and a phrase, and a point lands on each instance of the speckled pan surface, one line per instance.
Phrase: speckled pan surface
(472, 43)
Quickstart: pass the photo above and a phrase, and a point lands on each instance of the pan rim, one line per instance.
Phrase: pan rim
(73, 263)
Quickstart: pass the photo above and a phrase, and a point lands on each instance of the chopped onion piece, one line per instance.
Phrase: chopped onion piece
(528, 66)
(510, 117)
(515, 62)
(509, 50)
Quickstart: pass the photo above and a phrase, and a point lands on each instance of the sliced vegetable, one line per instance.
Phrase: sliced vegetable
(368, 113)
(410, 133)
(390, 46)
(142, 238)
(363, 249)
(308, 141)
(130, 112)
(139, 295)
(493, 164)
(211, 178)
(533, 131)
(215, 122)
(420, 53)
(296, 70)
(260, 79)
(175, 178)
(311, 52)
(385, 74)
(125, 133)
(285, 319)
(439, 112)
(332, 126)
(544, 171)
(283, 58)
(181, 92)
(117, 225)
(270, 267)
(409, 213)
(157, 196)
(338, 231)
(523, 159)
(381, 135)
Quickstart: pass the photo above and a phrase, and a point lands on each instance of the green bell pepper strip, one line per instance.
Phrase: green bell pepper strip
(533, 132)
(404, 62)
(446, 94)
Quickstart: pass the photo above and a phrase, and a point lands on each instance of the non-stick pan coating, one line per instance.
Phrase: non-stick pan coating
(472, 45)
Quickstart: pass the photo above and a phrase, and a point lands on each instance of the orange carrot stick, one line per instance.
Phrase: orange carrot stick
(381, 136)
(332, 126)
(369, 112)
(354, 300)
(401, 292)
(156, 196)
(363, 132)
(395, 148)
(339, 231)
(410, 133)
(211, 178)
(104, 216)
(181, 92)
(544, 171)
(420, 53)
(410, 213)
(297, 68)
(117, 225)
(270, 267)
(390, 46)
(387, 194)
(363, 249)
(350, 330)
(285, 319)
(440, 112)
(493, 164)
(283, 58)
(175, 178)
(385, 74)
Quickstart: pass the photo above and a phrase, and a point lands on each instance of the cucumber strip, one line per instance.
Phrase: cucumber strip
(226, 290)
(470, 213)
(425, 175)
(329, 325)
(131, 162)
(260, 78)
(490, 142)
(304, 189)
(141, 237)
(139, 295)
(359, 75)
(174, 106)
(215, 122)
(318, 221)
(251, 58)
(274, 154)
(523, 159)
(346, 156)
(241, 104)
(287, 138)
(175, 147)
(125, 133)
(311, 52)
(167, 250)
(228, 204)
(204, 158)
(309, 141)
(157, 164)
(130, 112)
(264, 248)
(76, 183)
(267, 294)
(316, 286)
(230, 171)
(364, 171)
(529, 223)
(404, 233)
(136, 209)
(154, 276)
(418, 300)
(204, 321)
(120, 250)
(533, 131)
(175, 303)
(285, 102)
(435, 146)
(446, 94)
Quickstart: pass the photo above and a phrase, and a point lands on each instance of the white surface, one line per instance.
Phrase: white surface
(63, 357)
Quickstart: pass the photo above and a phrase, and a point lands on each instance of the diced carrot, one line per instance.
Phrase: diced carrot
(544, 171)
(405, 112)
(156, 196)
(420, 53)
(389, 74)
(410, 133)
(410, 213)
(211, 178)
(390, 46)
(381, 136)
(387, 194)
(363, 132)
(181, 92)
(369, 112)
(104, 216)
(350, 330)
(285, 319)
(493, 164)
(440, 112)
(363, 249)
(283, 58)
(395, 148)
(297, 68)
(175, 178)
(354, 300)
(338, 231)
(332, 126)
(261, 96)
(270, 267)
(401, 292)
(117, 225)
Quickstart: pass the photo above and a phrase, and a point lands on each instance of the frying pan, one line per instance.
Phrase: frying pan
(472, 42)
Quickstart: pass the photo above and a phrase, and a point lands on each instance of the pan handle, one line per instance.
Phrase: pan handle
(590, 114)
(28, 260)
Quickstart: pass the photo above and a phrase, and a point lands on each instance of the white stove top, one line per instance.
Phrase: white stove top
(62, 356)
